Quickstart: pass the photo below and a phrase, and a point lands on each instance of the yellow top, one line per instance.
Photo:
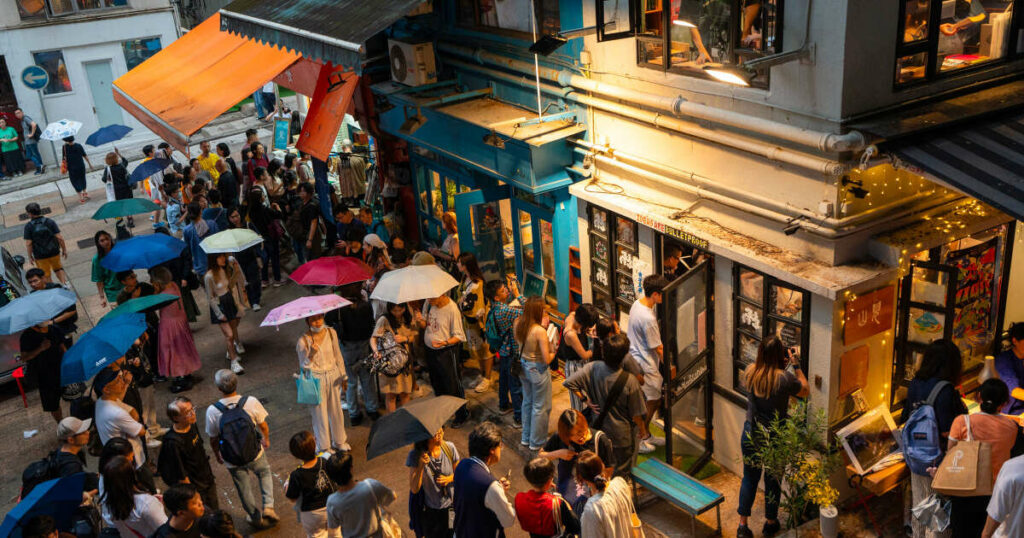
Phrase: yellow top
(209, 163)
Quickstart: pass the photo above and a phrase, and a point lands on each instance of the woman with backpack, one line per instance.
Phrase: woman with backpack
(394, 328)
(564, 447)
(431, 464)
(320, 356)
(474, 310)
(125, 506)
(940, 372)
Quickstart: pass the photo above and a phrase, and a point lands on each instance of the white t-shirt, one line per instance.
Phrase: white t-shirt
(268, 87)
(442, 323)
(607, 514)
(644, 337)
(113, 419)
(145, 518)
(1007, 495)
(252, 406)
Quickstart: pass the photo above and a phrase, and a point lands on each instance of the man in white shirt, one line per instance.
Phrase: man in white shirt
(260, 516)
(115, 418)
(443, 335)
(1005, 515)
(645, 345)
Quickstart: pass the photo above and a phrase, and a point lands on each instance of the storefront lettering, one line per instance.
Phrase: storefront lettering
(673, 232)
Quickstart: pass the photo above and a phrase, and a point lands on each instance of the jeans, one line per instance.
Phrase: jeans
(257, 101)
(272, 248)
(536, 403)
(301, 252)
(32, 153)
(509, 385)
(243, 483)
(445, 375)
(751, 477)
(359, 376)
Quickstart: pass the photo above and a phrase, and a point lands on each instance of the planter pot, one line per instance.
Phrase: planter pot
(829, 521)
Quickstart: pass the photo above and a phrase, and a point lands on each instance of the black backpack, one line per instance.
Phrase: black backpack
(38, 472)
(44, 242)
(239, 438)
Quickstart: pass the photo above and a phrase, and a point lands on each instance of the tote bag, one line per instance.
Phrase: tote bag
(308, 388)
(966, 470)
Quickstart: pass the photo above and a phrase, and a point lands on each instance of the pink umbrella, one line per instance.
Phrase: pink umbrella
(302, 308)
(332, 271)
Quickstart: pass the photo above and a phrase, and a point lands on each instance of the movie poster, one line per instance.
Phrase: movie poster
(975, 292)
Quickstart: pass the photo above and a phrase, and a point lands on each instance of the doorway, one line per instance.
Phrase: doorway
(101, 82)
(487, 214)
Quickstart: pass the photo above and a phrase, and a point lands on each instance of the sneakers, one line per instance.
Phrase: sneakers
(236, 367)
(278, 283)
(505, 410)
(525, 443)
(517, 424)
(269, 513)
(259, 523)
(645, 447)
(656, 441)
(744, 531)
(482, 386)
(770, 528)
(239, 348)
(153, 443)
(256, 307)
(344, 406)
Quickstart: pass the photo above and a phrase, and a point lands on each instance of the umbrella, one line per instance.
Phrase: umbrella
(302, 308)
(413, 283)
(332, 271)
(34, 308)
(102, 345)
(123, 208)
(142, 252)
(143, 304)
(58, 498)
(60, 129)
(148, 168)
(234, 240)
(414, 421)
(110, 133)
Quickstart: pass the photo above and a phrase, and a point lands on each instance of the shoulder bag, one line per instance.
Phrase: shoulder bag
(966, 469)
(609, 402)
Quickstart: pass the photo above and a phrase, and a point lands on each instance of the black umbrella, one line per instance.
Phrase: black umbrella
(412, 422)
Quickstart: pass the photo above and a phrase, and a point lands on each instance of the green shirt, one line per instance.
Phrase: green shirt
(111, 285)
(12, 133)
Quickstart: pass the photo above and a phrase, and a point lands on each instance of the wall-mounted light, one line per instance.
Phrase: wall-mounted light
(549, 43)
(857, 189)
(740, 75)
(684, 24)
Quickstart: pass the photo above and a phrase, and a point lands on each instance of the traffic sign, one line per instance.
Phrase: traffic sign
(35, 77)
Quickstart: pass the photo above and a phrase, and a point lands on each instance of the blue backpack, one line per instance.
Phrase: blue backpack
(491, 333)
(239, 438)
(922, 444)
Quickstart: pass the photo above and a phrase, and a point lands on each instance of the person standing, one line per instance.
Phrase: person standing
(536, 354)
(443, 334)
(208, 161)
(42, 349)
(265, 219)
(75, 160)
(182, 458)
(320, 355)
(107, 284)
(177, 356)
(225, 291)
(113, 417)
(1004, 518)
(186, 507)
(309, 487)
(249, 433)
(481, 504)
(645, 346)
(73, 435)
(248, 260)
(32, 133)
(398, 322)
(44, 243)
(536, 507)
(227, 185)
(448, 252)
(474, 309)
(257, 160)
(125, 504)
(193, 234)
(13, 161)
(116, 174)
(355, 507)
(1010, 366)
(770, 386)
(502, 317)
(609, 510)
(354, 325)
(564, 447)
(574, 347)
(175, 207)
(65, 321)
(431, 464)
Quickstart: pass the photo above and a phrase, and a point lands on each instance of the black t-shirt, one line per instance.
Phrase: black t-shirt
(599, 443)
(182, 456)
(228, 187)
(763, 410)
(165, 531)
(45, 365)
(309, 212)
(355, 322)
(75, 155)
(312, 484)
(42, 232)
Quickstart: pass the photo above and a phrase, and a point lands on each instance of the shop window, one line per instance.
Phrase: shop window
(511, 16)
(940, 37)
(613, 247)
(137, 51)
(547, 249)
(766, 306)
(30, 9)
(435, 195)
(526, 240)
(53, 62)
(685, 35)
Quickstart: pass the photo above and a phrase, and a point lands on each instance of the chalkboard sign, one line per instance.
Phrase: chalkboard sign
(282, 133)
(534, 285)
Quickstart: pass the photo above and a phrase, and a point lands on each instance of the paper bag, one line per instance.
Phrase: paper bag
(966, 470)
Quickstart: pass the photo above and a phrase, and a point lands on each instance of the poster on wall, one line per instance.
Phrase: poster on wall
(641, 270)
(976, 268)
(869, 314)
(853, 370)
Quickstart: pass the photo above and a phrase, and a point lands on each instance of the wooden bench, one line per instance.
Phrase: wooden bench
(680, 489)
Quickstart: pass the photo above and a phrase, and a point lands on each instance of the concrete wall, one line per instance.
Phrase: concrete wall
(81, 42)
(9, 16)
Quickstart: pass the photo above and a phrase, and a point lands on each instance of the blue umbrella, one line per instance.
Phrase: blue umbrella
(102, 345)
(34, 308)
(142, 252)
(110, 133)
(58, 498)
(148, 168)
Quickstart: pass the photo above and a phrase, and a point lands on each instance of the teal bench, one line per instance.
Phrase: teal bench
(680, 489)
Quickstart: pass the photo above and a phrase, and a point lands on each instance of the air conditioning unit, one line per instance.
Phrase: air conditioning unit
(412, 64)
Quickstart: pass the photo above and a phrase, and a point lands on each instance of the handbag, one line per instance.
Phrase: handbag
(389, 527)
(966, 469)
(308, 388)
(64, 161)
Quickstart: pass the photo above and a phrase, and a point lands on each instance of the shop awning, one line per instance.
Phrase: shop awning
(984, 160)
(195, 79)
(332, 31)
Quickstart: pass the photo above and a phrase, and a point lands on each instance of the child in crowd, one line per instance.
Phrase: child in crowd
(540, 513)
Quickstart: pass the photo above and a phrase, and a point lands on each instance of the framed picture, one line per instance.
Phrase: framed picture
(282, 133)
(869, 439)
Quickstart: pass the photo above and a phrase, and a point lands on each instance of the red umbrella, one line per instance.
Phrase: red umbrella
(332, 271)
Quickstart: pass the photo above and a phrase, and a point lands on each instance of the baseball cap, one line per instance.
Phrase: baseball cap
(72, 426)
(104, 377)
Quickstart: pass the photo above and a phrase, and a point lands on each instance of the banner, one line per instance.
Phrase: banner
(331, 100)
(973, 299)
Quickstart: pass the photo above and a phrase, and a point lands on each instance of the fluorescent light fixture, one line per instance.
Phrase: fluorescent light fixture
(684, 24)
(727, 75)
(740, 75)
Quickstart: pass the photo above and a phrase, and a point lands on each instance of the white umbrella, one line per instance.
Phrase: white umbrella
(61, 129)
(229, 241)
(413, 283)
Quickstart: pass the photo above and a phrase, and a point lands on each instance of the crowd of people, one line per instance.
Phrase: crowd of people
(17, 148)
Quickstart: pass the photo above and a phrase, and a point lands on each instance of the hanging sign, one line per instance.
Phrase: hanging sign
(869, 314)
(332, 98)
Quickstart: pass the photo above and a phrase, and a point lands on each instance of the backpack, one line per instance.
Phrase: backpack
(239, 438)
(44, 242)
(491, 333)
(922, 444)
(38, 472)
(392, 359)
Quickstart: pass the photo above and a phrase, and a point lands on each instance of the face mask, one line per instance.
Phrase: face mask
(316, 328)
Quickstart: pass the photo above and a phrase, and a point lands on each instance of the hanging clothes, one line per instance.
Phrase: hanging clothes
(351, 175)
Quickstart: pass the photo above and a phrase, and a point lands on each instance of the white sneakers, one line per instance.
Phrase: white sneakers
(482, 386)
(256, 307)
(239, 347)
(236, 367)
(649, 444)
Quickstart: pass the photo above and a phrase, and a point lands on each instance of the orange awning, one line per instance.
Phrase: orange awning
(195, 79)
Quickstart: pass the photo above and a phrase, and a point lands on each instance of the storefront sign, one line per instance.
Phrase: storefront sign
(670, 231)
(974, 292)
(869, 314)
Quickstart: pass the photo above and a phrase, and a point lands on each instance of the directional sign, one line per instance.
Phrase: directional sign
(35, 77)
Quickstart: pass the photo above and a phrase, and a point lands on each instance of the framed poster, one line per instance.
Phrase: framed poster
(282, 132)
(869, 439)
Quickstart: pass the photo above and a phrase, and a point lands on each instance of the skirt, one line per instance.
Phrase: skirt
(401, 383)
(227, 307)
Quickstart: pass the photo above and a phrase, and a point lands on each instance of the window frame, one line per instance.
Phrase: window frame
(930, 47)
(430, 226)
(767, 317)
(42, 90)
(599, 13)
(124, 50)
(613, 243)
(75, 10)
(516, 34)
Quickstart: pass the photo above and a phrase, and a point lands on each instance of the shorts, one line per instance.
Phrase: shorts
(48, 265)
(227, 307)
(652, 385)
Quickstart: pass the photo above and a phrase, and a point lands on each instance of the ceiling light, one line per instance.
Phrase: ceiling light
(684, 24)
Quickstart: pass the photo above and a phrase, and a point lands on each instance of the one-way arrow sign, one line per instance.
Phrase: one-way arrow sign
(35, 77)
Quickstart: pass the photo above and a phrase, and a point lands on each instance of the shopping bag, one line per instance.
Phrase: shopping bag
(966, 469)
(933, 512)
(308, 388)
